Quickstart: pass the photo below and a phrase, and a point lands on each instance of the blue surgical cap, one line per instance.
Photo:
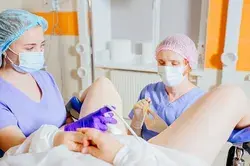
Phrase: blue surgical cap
(13, 23)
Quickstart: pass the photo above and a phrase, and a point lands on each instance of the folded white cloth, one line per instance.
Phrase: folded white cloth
(144, 153)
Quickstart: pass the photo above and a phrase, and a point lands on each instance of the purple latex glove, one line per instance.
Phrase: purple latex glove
(95, 120)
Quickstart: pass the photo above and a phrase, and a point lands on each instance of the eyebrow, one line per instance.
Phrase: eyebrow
(33, 44)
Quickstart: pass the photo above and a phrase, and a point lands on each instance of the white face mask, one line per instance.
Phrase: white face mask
(171, 76)
(28, 62)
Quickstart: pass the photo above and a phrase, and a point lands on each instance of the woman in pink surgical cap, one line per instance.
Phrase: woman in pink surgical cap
(160, 104)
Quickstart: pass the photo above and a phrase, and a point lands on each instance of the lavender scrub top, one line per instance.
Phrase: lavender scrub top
(17, 109)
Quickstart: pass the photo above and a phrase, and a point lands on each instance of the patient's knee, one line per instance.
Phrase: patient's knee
(107, 87)
(101, 83)
(234, 92)
(105, 83)
(102, 80)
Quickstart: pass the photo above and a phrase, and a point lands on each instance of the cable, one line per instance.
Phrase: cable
(124, 122)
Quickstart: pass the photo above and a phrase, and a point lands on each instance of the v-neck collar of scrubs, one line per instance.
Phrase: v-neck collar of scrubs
(13, 88)
(181, 99)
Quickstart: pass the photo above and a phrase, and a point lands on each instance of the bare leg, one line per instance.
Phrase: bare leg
(205, 127)
(244, 121)
(101, 93)
(84, 94)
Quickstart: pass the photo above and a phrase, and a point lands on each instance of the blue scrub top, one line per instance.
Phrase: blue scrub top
(168, 111)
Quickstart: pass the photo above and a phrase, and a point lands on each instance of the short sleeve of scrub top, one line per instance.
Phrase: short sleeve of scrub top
(18, 109)
(168, 111)
(7, 118)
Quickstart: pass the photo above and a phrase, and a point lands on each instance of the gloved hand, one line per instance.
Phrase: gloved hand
(96, 120)
(140, 109)
(157, 124)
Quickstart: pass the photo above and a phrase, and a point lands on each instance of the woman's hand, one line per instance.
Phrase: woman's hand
(156, 124)
(74, 141)
(100, 145)
(140, 109)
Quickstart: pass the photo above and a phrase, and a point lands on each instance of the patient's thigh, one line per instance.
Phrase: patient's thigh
(102, 92)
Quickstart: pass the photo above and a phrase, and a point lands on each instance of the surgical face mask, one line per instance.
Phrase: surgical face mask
(171, 76)
(29, 62)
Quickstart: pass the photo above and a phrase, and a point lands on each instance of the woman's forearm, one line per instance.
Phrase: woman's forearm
(136, 129)
(10, 137)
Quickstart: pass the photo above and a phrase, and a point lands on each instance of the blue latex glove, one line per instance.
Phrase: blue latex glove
(240, 136)
(95, 120)
(74, 103)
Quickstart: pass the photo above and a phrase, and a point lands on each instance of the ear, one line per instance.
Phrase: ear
(187, 68)
(1, 61)
(4, 55)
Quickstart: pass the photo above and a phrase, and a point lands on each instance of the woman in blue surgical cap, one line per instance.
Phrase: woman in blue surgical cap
(29, 96)
(167, 100)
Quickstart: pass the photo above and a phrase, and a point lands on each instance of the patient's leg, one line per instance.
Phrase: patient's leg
(205, 127)
(245, 120)
(102, 92)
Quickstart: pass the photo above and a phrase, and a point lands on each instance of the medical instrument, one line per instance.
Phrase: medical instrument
(140, 111)
(124, 122)
(145, 109)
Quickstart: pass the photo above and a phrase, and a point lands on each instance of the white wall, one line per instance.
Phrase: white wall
(46, 5)
(180, 16)
(132, 19)
(11, 4)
